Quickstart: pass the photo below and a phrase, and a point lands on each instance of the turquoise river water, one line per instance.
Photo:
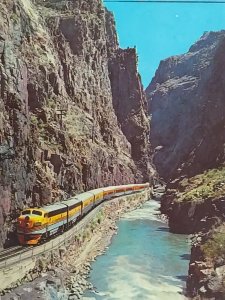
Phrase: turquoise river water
(143, 262)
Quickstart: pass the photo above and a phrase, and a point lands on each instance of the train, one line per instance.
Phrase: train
(40, 223)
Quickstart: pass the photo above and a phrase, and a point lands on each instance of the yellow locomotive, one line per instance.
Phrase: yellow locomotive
(35, 224)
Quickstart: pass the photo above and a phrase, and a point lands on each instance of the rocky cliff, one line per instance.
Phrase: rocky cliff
(187, 109)
(195, 204)
(64, 128)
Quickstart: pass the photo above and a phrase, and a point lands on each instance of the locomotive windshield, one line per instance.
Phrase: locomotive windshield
(37, 212)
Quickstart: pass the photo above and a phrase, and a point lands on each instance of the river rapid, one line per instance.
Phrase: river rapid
(144, 261)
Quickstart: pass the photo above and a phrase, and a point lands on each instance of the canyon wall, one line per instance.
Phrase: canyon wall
(186, 103)
(61, 128)
(187, 106)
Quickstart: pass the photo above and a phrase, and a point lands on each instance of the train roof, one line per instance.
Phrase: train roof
(71, 201)
(82, 197)
(52, 207)
(106, 188)
(96, 191)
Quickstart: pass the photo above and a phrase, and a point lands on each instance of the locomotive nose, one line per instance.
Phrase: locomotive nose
(25, 222)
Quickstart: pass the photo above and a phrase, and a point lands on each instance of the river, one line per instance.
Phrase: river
(144, 261)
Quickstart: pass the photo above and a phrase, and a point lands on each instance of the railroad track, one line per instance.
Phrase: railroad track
(11, 252)
(2, 252)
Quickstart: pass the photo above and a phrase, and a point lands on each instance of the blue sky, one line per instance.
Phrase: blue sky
(162, 30)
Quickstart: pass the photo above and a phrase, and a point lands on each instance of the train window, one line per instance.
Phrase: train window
(26, 212)
(37, 212)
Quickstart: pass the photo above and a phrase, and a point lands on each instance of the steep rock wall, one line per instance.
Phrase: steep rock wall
(54, 58)
(186, 100)
(130, 104)
(129, 99)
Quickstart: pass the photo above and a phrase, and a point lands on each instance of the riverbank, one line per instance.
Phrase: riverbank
(65, 277)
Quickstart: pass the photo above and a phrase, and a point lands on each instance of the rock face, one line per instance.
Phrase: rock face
(189, 217)
(207, 266)
(63, 126)
(187, 109)
(129, 102)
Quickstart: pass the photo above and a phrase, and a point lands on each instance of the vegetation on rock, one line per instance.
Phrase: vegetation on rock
(208, 185)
